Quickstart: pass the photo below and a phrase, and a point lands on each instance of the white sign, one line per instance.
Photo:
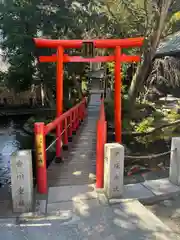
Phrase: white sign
(22, 181)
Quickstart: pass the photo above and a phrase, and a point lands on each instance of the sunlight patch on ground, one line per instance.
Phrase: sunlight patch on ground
(77, 173)
(35, 225)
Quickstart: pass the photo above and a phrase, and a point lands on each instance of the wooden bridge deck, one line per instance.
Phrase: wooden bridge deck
(79, 166)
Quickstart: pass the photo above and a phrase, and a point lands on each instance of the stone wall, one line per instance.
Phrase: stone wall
(12, 98)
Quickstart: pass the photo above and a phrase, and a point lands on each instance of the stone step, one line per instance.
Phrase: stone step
(76, 207)
(126, 220)
(82, 152)
(60, 194)
(147, 224)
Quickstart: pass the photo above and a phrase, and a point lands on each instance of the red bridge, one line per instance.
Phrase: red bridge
(84, 160)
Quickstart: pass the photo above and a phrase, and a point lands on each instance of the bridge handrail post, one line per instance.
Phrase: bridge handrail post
(81, 112)
(85, 107)
(70, 124)
(58, 140)
(84, 113)
(99, 162)
(66, 131)
(101, 140)
(40, 150)
(77, 118)
(74, 121)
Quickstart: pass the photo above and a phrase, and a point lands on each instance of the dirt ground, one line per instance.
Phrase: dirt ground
(168, 211)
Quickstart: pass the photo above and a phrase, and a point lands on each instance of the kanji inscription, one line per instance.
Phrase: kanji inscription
(22, 181)
(21, 203)
(21, 190)
(117, 165)
(114, 170)
(116, 189)
(19, 163)
(39, 152)
(116, 177)
(20, 176)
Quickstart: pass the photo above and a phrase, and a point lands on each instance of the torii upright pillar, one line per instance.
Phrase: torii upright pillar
(118, 97)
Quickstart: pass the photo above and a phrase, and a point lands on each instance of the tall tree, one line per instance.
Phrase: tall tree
(21, 20)
(153, 19)
(162, 13)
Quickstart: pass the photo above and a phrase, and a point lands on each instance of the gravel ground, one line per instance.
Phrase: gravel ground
(169, 212)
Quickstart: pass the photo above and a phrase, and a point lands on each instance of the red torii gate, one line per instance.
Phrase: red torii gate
(118, 58)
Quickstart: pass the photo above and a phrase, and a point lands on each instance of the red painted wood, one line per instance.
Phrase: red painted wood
(66, 58)
(59, 97)
(117, 95)
(98, 43)
(101, 140)
(40, 145)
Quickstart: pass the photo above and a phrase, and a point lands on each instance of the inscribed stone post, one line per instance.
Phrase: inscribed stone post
(113, 170)
(174, 171)
(22, 181)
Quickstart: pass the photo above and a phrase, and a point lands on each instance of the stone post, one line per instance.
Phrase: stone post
(174, 171)
(22, 181)
(113, 170)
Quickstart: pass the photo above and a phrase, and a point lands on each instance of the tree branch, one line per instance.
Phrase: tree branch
(142, 134)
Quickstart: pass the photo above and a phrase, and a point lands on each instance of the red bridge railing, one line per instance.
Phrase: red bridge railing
(65, 125)
(100, 142)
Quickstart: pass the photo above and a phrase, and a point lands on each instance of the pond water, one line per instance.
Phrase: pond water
(10, 130)
(13, 138)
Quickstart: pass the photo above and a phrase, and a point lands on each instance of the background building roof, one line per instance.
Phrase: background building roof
(170, 46)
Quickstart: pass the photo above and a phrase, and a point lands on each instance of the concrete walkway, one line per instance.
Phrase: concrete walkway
(79, 212)
(90, 220)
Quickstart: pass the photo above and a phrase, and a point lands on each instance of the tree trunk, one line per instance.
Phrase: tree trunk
(42, 94)
(77, 85)
(150, 48)
(139, 78)
(48, 97)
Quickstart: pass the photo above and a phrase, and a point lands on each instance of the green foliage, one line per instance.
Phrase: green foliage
(139, 17)
(84, 86)
(23, 20)
(127, 125)
(145, 125)
(109, 109)
(3, 76)
(157, 115)
(68, 104)
(125, 103)
(173, 115)
(110, 66)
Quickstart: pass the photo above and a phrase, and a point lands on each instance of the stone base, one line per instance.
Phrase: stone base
(65, 147)
(70, 139)
(148, 192)
(58, 160)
